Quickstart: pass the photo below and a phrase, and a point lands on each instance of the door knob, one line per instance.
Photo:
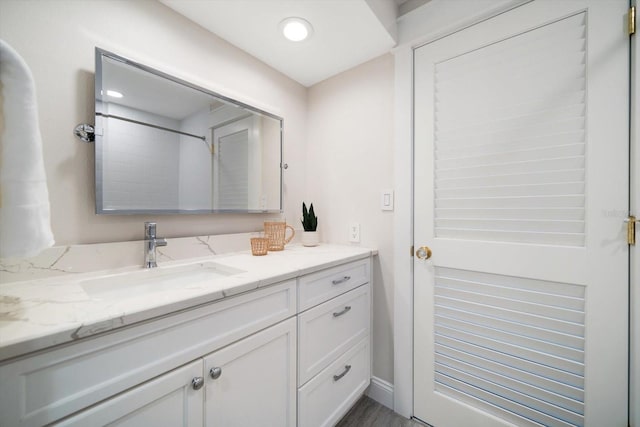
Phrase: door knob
(423, 252)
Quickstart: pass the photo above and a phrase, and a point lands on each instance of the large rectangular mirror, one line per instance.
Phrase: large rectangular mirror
(164, 145)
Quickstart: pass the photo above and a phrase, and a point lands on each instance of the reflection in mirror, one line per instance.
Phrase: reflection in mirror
(167, 146)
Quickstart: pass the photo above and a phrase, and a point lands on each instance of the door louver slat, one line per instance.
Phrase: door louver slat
(523, 151)
(513, 346)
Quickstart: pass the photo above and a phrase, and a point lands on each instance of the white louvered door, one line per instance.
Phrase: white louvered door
(521, 188)
(236, 165)
(233, 170)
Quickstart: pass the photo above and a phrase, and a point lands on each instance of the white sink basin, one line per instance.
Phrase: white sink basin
(156, 279)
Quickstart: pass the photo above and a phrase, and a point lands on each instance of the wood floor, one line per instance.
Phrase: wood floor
(369, 413)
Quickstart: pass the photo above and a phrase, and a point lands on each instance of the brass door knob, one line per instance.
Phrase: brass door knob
(423, 252)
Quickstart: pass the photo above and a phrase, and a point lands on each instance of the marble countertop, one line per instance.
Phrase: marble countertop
(37, 314)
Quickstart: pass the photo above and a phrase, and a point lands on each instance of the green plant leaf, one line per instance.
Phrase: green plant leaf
(309, 219)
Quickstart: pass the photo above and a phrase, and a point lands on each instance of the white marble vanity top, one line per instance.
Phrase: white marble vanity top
(40, 313)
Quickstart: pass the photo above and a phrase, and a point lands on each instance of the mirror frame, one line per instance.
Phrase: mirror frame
(99, 54)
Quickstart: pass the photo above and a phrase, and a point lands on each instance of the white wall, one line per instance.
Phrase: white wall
(349, 162)
(57, 40)
(140, 171)
(270, 129)
(196, 163)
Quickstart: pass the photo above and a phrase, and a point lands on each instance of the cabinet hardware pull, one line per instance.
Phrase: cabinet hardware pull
(347, 368)
(215, 373)
(338, 281)
(197, 383)
(346, 308)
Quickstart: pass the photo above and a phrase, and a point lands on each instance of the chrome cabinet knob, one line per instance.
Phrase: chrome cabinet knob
(423, 252)
(197, 383)
(215, 373)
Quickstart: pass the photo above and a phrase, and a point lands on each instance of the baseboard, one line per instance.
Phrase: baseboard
(381, 391)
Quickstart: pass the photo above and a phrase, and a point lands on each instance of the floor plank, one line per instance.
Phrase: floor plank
(369, 413)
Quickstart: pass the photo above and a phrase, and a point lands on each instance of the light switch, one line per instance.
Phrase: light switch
(386, 200)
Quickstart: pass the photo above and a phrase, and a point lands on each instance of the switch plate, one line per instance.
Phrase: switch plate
(354, 232)
(386, 200)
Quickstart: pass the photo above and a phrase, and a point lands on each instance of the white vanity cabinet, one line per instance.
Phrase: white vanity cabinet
(334, 356)
(229, 387)
(295, 353)
(54, 384)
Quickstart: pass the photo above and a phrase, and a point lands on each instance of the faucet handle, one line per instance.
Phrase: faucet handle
(150, 229)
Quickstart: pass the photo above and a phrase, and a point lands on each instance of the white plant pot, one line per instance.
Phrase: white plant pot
(310, 238)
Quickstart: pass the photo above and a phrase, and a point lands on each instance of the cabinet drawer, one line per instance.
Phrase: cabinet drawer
(328, 330)
(46, 387)
(316, 288)
(330, 394)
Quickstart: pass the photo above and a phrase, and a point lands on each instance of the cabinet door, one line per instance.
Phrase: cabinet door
(170, 400)
(253, 382)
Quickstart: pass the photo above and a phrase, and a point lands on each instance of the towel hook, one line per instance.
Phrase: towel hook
(85, 132)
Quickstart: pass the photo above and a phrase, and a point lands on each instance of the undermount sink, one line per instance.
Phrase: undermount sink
(156, 279)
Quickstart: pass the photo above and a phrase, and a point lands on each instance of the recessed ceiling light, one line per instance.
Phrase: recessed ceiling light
(296, 29)
(114, 94)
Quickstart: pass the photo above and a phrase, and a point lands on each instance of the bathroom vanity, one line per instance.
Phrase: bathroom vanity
(281, 340)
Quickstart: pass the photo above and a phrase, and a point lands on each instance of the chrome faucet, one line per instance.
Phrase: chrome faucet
(151, 242)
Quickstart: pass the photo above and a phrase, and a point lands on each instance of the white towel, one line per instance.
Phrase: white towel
(25, 225)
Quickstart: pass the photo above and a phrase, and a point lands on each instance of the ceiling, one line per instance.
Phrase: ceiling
(146, 92)
(346, 33)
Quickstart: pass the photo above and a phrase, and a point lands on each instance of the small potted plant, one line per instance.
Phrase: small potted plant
(310, 224)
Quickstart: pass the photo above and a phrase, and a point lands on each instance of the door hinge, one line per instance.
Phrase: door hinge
(631, 229)
(632, 20)
(411, 254)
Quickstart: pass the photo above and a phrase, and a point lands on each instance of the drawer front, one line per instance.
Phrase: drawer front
(316, 288)
(328, 330)
(329, 395)
(46, 387)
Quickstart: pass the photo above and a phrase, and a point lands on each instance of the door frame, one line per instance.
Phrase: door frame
(634, 203)
(442, 19)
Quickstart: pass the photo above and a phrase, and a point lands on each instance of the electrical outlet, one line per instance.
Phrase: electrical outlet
(354, 232)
